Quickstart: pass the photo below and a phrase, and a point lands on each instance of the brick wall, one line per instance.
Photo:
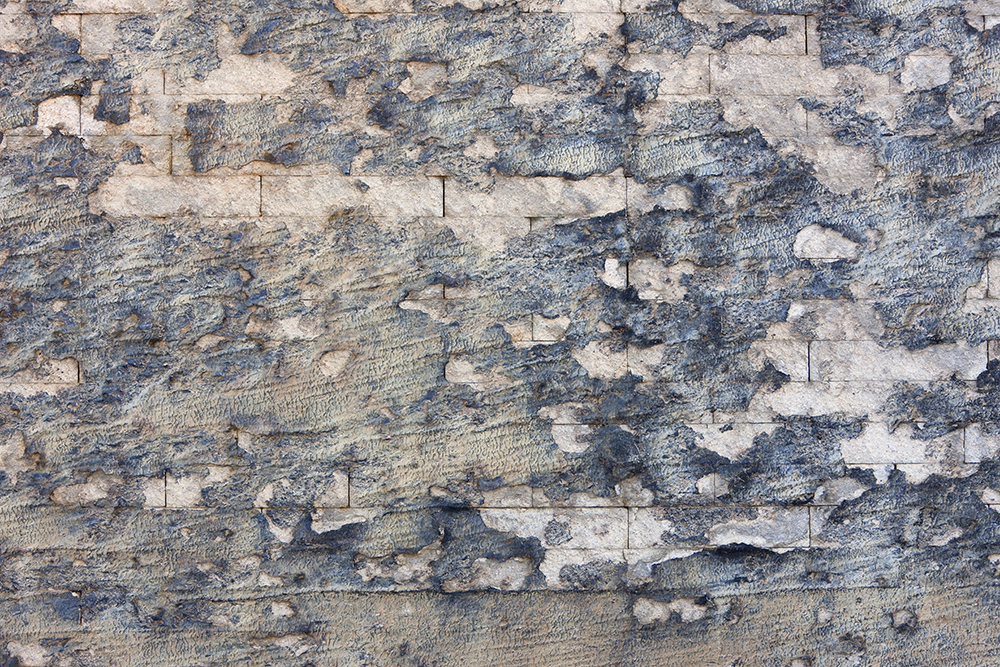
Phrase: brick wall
(590, 332)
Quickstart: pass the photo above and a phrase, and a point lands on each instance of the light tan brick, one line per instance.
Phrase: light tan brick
(148, 115)
(118, 6)
(654, 281)
(853, 399)
(98, 33)
(864, 360)
(753, 75)
(877, 444)
(375, 6)
(61, 113)
(14, 29)
(154, 151)
(159, 196)
(776, 117)
(575, 6)
(793, 42)
(926, 69)
(579, 499)
(552, 566)
(787, 356)
(829, 319)
(489, 232)
(763, 527)
(729, 440)
(644, 197)
(678, 75)
(569, 528)
(993, 278)
(537, 197)
(813, 47)
(982, 442)
(385, 196)
(263, 74)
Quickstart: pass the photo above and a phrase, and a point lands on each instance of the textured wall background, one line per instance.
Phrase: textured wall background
(580, 332)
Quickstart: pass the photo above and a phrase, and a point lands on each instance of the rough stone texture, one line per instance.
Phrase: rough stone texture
(529, 332)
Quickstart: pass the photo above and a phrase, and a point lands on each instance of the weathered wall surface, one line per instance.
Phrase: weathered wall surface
(547, 332)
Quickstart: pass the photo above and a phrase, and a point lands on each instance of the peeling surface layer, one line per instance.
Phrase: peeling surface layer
(405, 332)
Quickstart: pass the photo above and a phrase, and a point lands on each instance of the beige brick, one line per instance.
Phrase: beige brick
(68, 24)
(829, 319)
(844, 169)
(771, 527)
(263, 74)
(507, 497)
(863, 360)
(159, 196)
(579, 499)
(45, 375)
(605, 359)
(980, 289)
(62, 113)
(548, 328)
(916, 473)
(374, 6)
(792, 43)
(385, 196)
(776, 117)
(655, 281)
(154, 151)
(527, 95)
(537, 197)
(601, 29)
(787, 356)
(982, 442)
(925, 70)
(570, 528)
(877, 444)
(993, 278)
(678, 75)
(853, 399)
(816, 242)
(186, 490)
(337, 492)
(98, 33)
(729, 440)
(771, 75)
(980, 7)
(990, 22)
(325, 520)
(572, 438)
(754, 75)
(644, 197)
(645, 361)
(14, 29)
(813, 46)
(575, 6)
(687, 8)
(489, 232)
(557, 559)
(148, 115)
(118, 6)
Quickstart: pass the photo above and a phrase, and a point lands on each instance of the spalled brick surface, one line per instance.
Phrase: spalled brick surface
(536, 332)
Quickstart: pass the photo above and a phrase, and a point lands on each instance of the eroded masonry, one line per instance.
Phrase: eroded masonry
(544, 332)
